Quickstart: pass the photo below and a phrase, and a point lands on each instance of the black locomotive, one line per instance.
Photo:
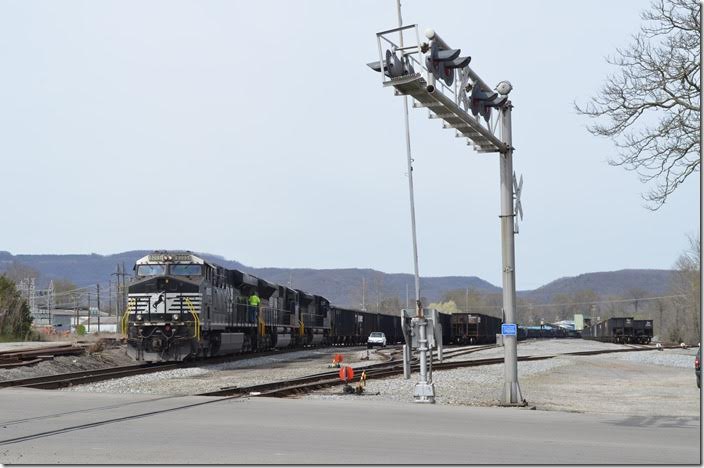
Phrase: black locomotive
(181, 306)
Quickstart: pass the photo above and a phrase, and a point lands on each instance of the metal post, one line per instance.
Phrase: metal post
(409, 161)
(406, 361)
(424, 391)
(512, 391)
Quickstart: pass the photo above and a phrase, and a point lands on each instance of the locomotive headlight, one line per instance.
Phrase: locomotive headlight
(139, 318)
(175, 316)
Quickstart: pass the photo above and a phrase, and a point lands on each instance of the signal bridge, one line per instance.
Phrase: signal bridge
(439, 79)
(443, 83)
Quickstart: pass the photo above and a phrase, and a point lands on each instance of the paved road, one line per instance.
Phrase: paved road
(43, 427)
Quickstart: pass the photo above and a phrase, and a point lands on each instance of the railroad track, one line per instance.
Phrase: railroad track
(89, 376)
(284, 388)
(306, 384)
(29, 356)
(56, 381)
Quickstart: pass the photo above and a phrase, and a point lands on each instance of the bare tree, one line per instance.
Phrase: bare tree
(687, 283)
(650, 107)
(18, 271)
(637, 294)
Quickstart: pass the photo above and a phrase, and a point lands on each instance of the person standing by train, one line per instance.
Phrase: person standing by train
(254, 302)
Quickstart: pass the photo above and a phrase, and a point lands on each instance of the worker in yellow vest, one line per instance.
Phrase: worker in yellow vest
(254, 302)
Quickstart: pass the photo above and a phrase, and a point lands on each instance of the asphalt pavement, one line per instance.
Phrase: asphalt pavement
(47, 427)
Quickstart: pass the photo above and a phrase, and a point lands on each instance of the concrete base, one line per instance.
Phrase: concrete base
(512, 395)
(424, 392)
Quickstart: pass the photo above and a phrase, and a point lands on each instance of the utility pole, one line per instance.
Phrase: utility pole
(120, 293)
(466, 301)
(32, 294)
(117, 288)
(364, 289)
(124, 288)
(110, 300)
(88, 294)
(78, 314)
(97, 288)
(50, 298)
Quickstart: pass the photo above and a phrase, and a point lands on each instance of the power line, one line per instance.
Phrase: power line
(610, 301)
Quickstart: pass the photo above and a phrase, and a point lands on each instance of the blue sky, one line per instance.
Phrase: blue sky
(254, 130)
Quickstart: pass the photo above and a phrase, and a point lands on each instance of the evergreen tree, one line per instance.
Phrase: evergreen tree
(15, 317)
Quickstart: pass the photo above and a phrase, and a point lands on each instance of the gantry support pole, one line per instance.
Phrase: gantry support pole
(512, 391)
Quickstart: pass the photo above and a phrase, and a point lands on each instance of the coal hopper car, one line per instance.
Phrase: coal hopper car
(620, 330)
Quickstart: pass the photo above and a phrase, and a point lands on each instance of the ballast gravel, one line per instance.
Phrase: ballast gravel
(241, 373)
(65, 364)
(640, 383)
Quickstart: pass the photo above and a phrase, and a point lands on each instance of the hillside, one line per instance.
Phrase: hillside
(341, 286)
(605, 283)
(344, 286)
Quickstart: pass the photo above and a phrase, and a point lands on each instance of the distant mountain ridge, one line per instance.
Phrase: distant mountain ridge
(343, 286)
(605, 283)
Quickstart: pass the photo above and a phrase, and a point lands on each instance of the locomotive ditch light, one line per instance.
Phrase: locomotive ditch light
(139, 318)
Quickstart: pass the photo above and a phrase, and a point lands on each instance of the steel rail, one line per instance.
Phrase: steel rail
(312, 382)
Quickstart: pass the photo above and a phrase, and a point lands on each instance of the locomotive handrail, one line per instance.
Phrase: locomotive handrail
(262, 326)
(196, 323)
(126, 316)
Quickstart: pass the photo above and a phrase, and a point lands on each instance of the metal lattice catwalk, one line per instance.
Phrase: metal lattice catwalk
(444, 102)
(444, 108)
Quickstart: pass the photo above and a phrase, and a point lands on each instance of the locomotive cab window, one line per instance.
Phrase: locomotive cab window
(151, 270)
(185, 270)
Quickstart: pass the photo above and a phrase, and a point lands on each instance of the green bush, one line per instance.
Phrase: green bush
(80, 330)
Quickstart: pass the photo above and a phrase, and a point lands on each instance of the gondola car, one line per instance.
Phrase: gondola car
(642, 331)
(620, 330)
(469, 328)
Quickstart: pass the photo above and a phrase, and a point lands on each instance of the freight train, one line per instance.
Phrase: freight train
(620, 330)
(181, 306)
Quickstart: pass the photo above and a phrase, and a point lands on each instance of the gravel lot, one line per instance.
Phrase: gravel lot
(643, 383)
